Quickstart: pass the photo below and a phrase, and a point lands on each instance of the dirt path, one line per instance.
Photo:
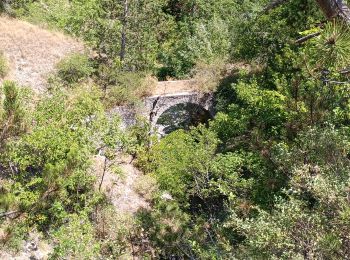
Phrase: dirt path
(32, 52)
(119, 187)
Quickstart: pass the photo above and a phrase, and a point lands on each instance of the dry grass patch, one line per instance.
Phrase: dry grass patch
(207, 76)
(32, 51)
(146, 186)
(129, 88)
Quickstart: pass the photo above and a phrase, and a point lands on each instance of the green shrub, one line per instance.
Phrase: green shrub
(74, 68)
(76, 240)
(3, 66)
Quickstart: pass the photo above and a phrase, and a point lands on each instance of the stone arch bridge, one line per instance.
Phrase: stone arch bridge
(166, 95)
(155, 106)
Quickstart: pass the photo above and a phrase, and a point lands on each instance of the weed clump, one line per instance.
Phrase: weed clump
(4, 68)
(129, 88)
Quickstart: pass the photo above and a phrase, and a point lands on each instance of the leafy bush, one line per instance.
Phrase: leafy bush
(3, 66)
(74, 68)
(312, 216)
(53, 187)
(76, 240)
(52, 160)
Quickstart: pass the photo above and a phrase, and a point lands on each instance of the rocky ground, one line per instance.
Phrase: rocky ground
(34, 248)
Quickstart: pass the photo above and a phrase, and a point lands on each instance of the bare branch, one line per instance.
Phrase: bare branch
(6, 214)
(307, 37)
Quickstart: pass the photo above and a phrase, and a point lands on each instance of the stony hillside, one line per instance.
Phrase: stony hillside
(32, 52)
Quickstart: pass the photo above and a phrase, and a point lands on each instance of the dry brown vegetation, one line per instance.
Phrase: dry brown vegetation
(32, 52)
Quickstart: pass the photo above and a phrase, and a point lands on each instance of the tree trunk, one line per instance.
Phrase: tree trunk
(123, 36)
(331, 8)
(335, 8)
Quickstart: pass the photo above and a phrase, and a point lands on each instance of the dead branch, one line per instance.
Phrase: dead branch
(6, 214)
(307, 37)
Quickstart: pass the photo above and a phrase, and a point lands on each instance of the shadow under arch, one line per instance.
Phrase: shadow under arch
(182, 116)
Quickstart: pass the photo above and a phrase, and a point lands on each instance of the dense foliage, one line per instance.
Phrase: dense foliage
(267, 178)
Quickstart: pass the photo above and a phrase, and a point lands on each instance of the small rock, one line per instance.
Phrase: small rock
(166, 196)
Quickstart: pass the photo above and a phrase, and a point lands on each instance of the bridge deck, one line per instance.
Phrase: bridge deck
(173, 95)
(174, 87)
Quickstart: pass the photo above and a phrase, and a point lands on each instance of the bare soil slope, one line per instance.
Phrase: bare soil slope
(32, 51)
(119, 188)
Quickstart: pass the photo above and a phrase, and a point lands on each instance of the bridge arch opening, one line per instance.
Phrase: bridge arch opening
(182, 116)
